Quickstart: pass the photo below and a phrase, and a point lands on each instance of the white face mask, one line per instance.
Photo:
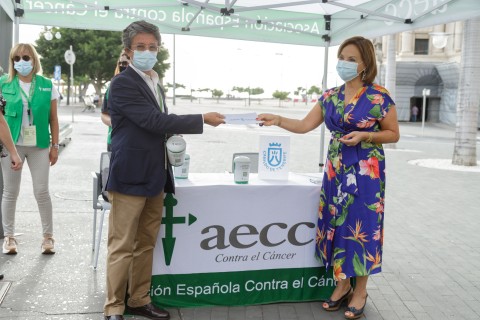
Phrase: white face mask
(23, 67)
(347, 70)
(144, 60)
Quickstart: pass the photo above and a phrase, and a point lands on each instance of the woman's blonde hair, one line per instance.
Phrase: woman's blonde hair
(367, 51)
(122, 54)
(16, 51)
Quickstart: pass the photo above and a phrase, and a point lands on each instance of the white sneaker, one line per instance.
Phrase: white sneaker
(48, 245)
(9, 245)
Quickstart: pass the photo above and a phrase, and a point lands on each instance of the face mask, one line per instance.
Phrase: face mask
(121, 68)
(23, 67)
(144, 60)
(347, 70)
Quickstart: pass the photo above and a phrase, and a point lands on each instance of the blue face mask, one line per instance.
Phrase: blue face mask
(23, 67)
(144, 60)
(347, 70)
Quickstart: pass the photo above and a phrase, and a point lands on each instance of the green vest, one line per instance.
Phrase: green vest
(39, 105)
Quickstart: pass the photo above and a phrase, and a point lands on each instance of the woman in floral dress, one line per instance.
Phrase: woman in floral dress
(361, 116)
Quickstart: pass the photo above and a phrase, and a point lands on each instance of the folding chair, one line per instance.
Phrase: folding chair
(253, 156)
(88, 104)
(100, 202)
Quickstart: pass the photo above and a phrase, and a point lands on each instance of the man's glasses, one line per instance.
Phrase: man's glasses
(24, 58)
(142, 47)
(123, 63)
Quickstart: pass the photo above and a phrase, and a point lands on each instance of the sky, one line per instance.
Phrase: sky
(202, 62)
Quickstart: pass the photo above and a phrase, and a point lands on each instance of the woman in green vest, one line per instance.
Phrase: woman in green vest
(31, 114)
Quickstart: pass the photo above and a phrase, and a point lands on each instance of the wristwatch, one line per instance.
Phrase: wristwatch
(55, 145)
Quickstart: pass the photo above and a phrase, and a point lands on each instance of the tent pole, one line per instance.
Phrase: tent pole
(174, 84)
(321, 164)
(16, 38)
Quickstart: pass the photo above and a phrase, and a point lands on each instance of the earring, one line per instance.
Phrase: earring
(364, 74)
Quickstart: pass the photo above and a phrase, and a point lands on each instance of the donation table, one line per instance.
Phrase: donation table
(228, 244)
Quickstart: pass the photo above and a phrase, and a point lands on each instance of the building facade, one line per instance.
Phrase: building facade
(427, 58)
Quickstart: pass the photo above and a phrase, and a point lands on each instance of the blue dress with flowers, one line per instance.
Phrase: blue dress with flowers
(350, 216)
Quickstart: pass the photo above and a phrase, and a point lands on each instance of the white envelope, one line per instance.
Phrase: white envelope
(241, 118)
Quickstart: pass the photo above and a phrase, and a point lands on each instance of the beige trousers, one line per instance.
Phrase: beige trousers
(39, 164)
(133, 227)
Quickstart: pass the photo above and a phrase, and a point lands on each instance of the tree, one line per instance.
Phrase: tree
(202, 90)
(96, 55)
(250, 91)
(301, 91)
(217, 93)
(177, 85)
(198, 90)
(254, 92)
(312, 90)
(468, 98)
(240, 90)
(307, 94)
(280, 95)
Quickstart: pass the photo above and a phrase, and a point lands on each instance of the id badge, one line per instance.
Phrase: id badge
(30, 136)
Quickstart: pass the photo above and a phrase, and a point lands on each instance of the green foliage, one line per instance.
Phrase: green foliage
(299, 91)
(314, 89)
(217, 93)
(238, 89)
(306, 94)
(250, 91)
(280, 95)
(96, 53)
(177, 85)
(255, 91)
(162, 66)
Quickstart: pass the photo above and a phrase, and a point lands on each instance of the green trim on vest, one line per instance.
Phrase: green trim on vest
(40, 106)
(109, 134)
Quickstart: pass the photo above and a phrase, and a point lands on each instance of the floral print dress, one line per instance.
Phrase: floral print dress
(350, 216)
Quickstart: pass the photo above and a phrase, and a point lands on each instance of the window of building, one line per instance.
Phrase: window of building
(421, 46)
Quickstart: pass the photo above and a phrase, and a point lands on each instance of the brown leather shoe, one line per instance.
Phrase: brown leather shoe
(150, 311)
(114, 317)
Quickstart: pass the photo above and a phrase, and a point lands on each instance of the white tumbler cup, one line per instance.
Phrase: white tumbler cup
(241, 169)
(181, 172)
(176, 146)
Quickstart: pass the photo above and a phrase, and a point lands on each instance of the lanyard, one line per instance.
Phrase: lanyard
(29, 98)
(160, 98)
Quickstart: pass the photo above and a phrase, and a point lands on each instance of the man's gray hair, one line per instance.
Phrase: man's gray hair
(139, 27)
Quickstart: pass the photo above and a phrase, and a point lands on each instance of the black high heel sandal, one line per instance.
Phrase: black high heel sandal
(357, 313)
(335, 305)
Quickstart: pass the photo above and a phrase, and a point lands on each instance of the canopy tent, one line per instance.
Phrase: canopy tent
(303, 22)
(307, 22)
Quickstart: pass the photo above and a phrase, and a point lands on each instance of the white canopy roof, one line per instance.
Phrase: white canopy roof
(307, 22)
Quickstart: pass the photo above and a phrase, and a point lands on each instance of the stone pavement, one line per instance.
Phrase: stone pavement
(431, 267)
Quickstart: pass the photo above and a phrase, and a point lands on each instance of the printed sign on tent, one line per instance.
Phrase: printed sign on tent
(274, 153)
